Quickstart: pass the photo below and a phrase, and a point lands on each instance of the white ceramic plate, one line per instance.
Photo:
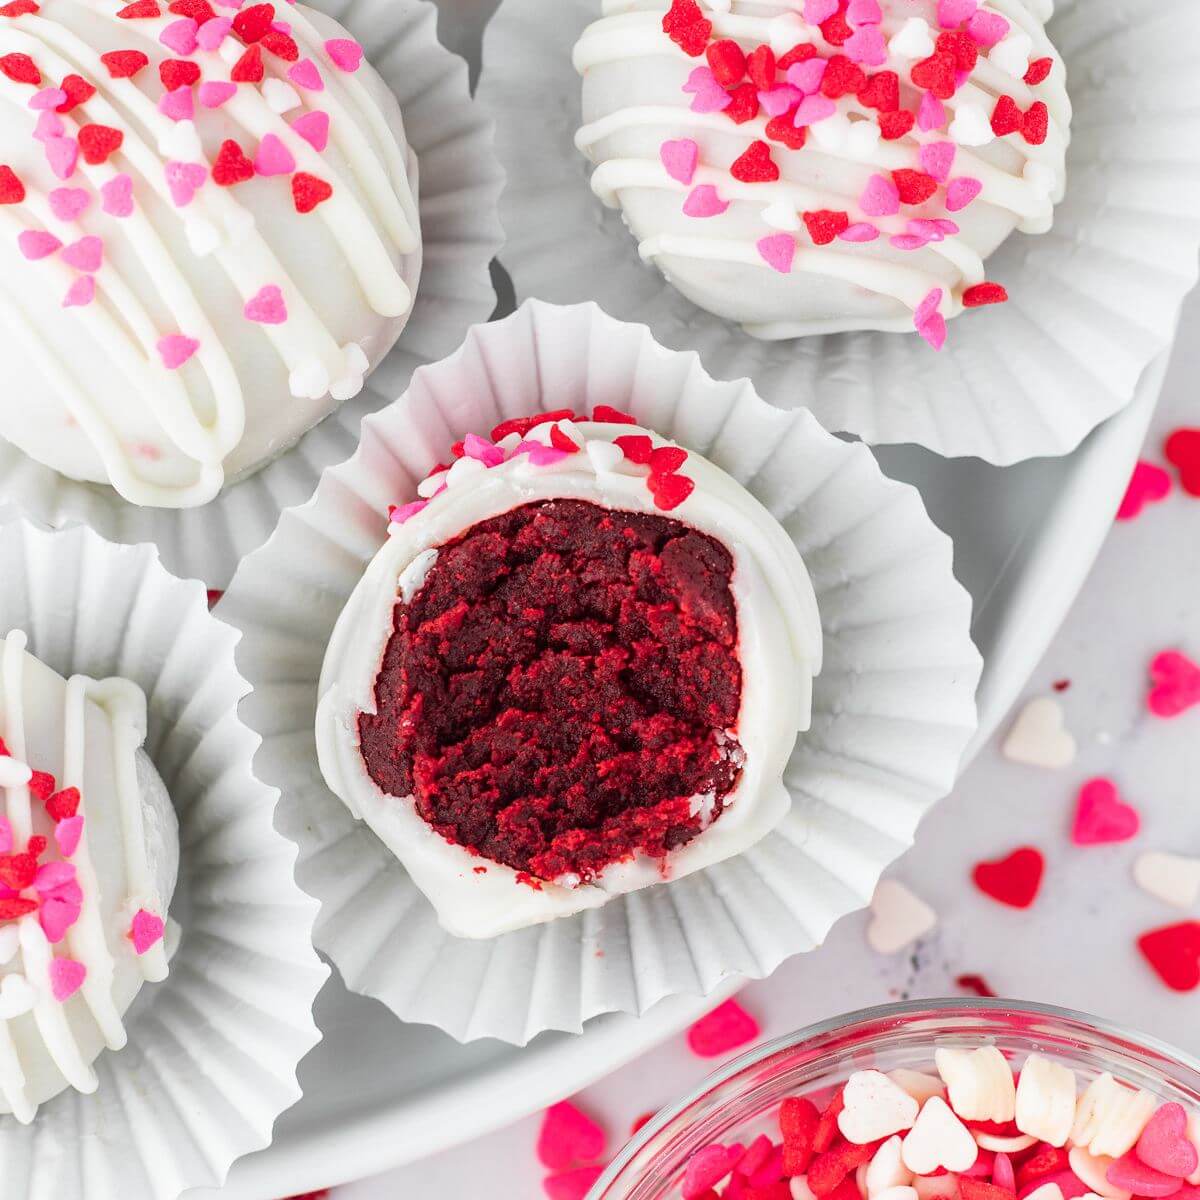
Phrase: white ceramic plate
(379, 1093)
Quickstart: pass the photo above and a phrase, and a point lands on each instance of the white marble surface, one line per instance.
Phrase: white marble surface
(1076, 945)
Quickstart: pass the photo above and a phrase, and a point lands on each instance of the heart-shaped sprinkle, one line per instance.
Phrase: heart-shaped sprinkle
(180, 36)
(266, 306)
(931, 113)
(1102, 817)
(938, 1139)
(345, 53)
(12, 190)
(1039, 737)
(1164, 1143)
(703, 201)
(707, 1167)
(726, 1028)
(898, 918)
(273, 157)
(47, 98)
(20, 68)
(1182, 450)
(124, 64)
(987, 28)
(979, 1082)
(1172, 878)
(280, 97)
(212, 33)
(961, 192)
(971, 126)
(778, 100)
(707, 94)
(571, 1185)
(36, 244)
(874, 1107)
(313, 127)
(1149, 485)
(568, 1137)
(806, 76)
(67, 833)
(62, 153)
(1176, 684)
(231, 166)
(866, 46)
(145, 931)
(215, 92)
(927, 320)
(937, 158)
(1013, 880)
(308, 191)
(952, 13)
(812, 110)
(249, 68)
(913, 40)
(178, 105)
(66, 978)
(817, 12)
(1045, 1107)
(1012, 55)
(1130, 1174)
(880, 197)
(69, 204)
(778, 251)
(679, 158)
(860, 231)
(305, 74)
(183, 179)
(81, 292)
(1174, 953)
(16, 996)
(98, 142)
(175, 349)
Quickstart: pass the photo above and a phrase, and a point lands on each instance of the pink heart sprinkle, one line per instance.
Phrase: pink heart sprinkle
(813, 109)
(961, 191)
(807, 76)
(85, 254)
(931, 113)
(180, 36)
(49, 125)
(816, 12)
(58, 912)
(116, 196)
(67, 833)
(306, 75)
(708, 95)
(952, 13)
(863, 12)
(909, 241)
(346, 53)
(266, 306)
(313, 127)
(81, 293)
(213, 32)
(36, 244)
(568, 1136)
(571, 1185)
(679, 158)
(1148, 485)
(703, 201)
(540, 455)
(778, 251)
(937, 158)
(1176, 684)
(930, 323)
(866, 45)
(183, 179)
(1131, 1175)
(726, 1028)
(779, 99)
(988, 28)
(860, 231)
(1102, 817)
(490, 455)
(398, 514)
(880, 198)
(928, 306)
(62, 153)
(178, 105)
(145, 930)
(66, 978)
(47, 98)
(69, 204)
(707, 1167)
(1164, 1143)
(214, 92)
(53, 875)
(6, 836)
(175, 349)
(273, 157)
(930, 231)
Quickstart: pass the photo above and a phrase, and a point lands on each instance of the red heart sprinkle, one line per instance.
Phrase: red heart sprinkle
(761, 67)
(745, 104)
(984, 293)
(961, 46)
(139, 10)
(20, 68)
(12, 190)
(199, 10)
(568, 1136)
(248, 68)
(824, 225)
(1174, 953)
(19, 8)
(97, 142)
(896, 124)
(231, 165)
(124, 64)
(63, 804)
(836, 31)
(308, 191)
(41, 784)
(755, 165)
(936, 74)
(636, 447)
(728, 62)
(12, 910)
(1182, 449)
(1039, 69)
(797, 54)
(842, 77)
(177, 73)
(667, 458)
(605, 414)
(1014, 880)
(1148, 485)
(726, 1028)
(669, 490)
(1035, 125)
(560, 441)
(881, 92)
(1176, 682)
(1006, 116)
(915, 187)
(1102, 817)
(687, 27)
(17, 870)
(798, 1122)
(282, 45)
(254, 22)
(781, 129)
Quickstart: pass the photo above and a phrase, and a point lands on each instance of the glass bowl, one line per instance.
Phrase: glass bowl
(740, 1100)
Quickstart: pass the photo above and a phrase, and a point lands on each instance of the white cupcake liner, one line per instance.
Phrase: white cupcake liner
(461, 180)
(893, 709)
(1093, 302)
(213, 1049)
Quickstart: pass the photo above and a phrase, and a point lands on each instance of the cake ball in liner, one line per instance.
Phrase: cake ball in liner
(577, 670)
(891, 711)
(227, 219)
(846, 170)
(158, 979)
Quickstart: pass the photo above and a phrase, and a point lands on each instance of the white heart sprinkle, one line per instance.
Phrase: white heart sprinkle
(913, 40)
(1039, 737)
(16, 997)
(1012, 54)
(782, 215)
(971, 126)
(938, 1139)
(979, 1082)
(181, 142)
(231, 50)
(309, 380)
(1171, 878)
(863, 140)
(874, 1108)
(9, 941)
(280, 97)
(605, 457)
(898, 918)
(203, 236)
(428, 488)
(886, 1170)
(832, 133)
(917, 1084)
(1045, 1104)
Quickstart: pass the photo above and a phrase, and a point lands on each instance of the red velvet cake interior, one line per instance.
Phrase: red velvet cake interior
(561, 686)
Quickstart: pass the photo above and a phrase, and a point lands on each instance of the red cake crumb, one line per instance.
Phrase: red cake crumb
(562, 683)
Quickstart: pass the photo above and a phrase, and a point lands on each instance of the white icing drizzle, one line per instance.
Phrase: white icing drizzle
(371, 216)
(87, 940)
(629, 30)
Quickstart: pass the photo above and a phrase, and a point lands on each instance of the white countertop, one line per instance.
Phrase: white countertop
(1075, 947)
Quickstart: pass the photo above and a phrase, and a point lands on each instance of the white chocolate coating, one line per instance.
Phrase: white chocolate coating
(88, 735)
(779, 646)
(633, 101)
(87, 391)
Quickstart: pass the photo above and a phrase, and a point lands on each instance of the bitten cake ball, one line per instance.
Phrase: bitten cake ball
(89, 850)
(818, 166)
(576, 668)
(208, 236)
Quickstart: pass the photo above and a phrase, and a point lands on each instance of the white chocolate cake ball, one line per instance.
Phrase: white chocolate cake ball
(89, 852)
(208, 236)
(814, 166)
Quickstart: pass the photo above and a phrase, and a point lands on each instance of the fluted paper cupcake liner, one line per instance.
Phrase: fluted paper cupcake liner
(1092, 303)
(460, 181)
(213, 1049)
(893, 708)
